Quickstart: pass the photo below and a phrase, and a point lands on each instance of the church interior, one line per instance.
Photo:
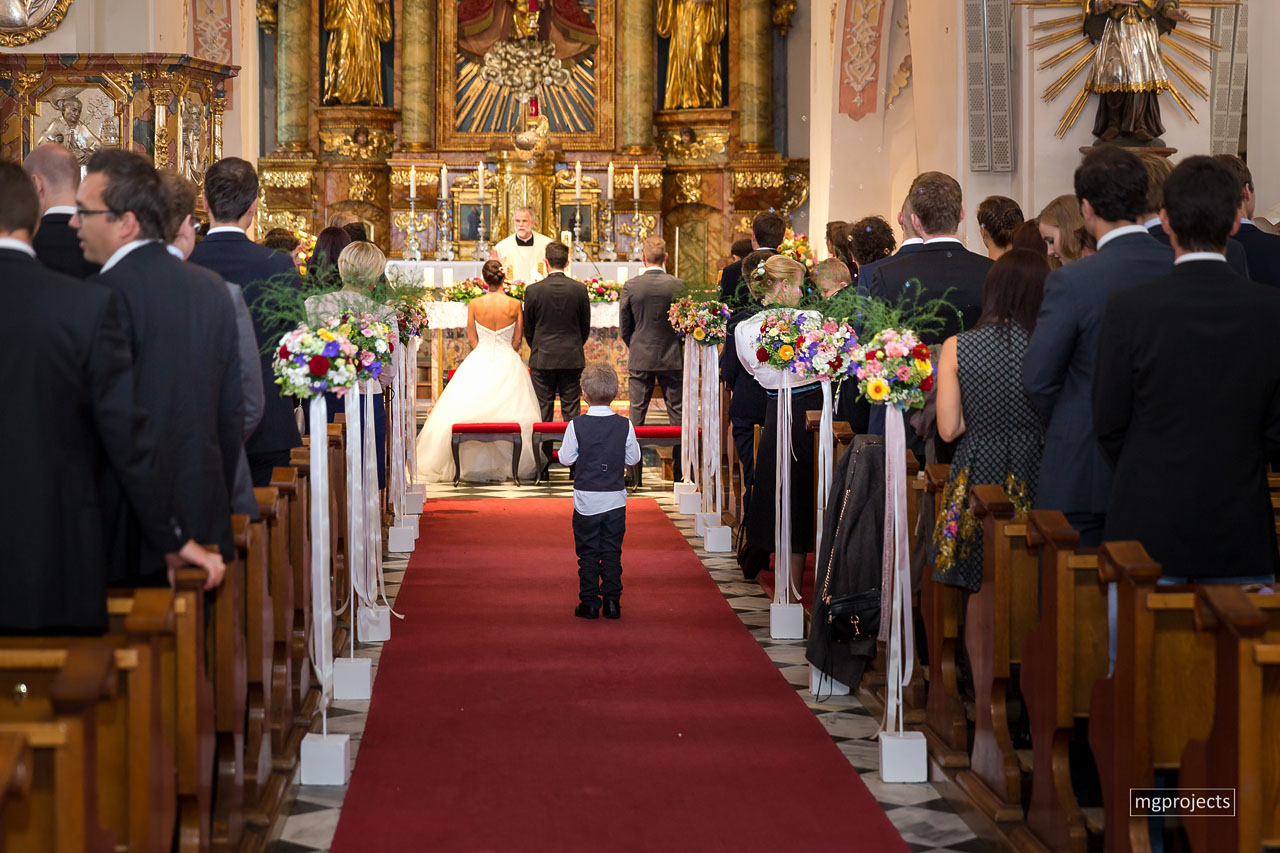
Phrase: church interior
(913, 531)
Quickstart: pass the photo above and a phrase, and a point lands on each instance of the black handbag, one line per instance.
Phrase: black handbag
(849, 617)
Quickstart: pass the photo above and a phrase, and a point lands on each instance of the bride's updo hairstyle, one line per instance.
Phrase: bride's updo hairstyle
(361, 265)
(493, 275)
(783, 282)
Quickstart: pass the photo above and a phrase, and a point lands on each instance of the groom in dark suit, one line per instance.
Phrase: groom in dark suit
(557, 322)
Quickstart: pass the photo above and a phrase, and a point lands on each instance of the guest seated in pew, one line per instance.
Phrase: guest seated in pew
(70, 364)
(870, 240)
(982, 405)
(1188, 435)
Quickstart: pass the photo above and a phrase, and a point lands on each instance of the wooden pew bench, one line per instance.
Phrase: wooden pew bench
(16, 766)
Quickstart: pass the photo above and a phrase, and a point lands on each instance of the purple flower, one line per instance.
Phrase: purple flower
(299, 359)
(331, 349)
(376, 369)
(317, 387)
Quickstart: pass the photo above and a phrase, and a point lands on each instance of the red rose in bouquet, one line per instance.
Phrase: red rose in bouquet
(762, 354)
(926, 384)
(921, 352)
(319, 365)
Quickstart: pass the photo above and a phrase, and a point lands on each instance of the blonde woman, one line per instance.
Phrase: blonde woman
(1059, 223)
(778, 287)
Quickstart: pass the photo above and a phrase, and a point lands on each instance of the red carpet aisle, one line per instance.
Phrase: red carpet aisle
(500, 722)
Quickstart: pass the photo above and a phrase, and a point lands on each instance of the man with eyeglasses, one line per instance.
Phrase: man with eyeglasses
(186, 369)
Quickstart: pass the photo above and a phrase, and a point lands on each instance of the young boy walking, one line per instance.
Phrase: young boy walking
(603, 445)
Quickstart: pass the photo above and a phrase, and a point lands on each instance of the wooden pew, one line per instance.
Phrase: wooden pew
(275, 511)
(228, 663)
(1242, 750)
(997, 620)
(53, 706)
(16, 766)
(307, 697)
(1160, 694)
(264, 790)
(945, 728)
(1063, 655)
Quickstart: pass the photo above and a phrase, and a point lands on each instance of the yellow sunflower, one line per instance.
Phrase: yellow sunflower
(786, 353)
(699, 334)
(877, 389)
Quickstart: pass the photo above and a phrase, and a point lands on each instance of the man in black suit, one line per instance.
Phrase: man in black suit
(942, 268)
(57, 175)
(182, 329)
(653, 350)
(1158, 170)
(1058, 368)
(1262, 249)
(231, 197)
(1196, 498)
(70, 364)
(557, 323)
(730, 275)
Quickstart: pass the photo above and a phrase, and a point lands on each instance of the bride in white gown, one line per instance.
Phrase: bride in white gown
(492, 384)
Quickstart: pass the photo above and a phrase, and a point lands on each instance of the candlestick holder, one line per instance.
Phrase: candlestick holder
(412, 223)
(483, 249)
(579, 252)
(607, 249)
(444, 231)
(637, 235)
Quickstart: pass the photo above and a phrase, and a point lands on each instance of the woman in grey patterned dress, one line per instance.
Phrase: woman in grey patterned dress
(980, 401)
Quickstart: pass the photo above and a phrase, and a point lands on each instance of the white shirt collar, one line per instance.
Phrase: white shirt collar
(655, 269)
(1199, 256)
(122, 251)
(175, 251)
(218, 229)
(767, 249)
(17, 246)
(68, 209)
(1120, 232)
(911, 241)
(1152, 223)
(942, 240)
(1244, 220)
(599, 411)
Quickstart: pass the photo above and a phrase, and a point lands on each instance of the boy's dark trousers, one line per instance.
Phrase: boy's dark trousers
(598, 539)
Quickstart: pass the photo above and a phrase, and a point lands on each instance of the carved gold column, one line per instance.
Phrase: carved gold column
(636, 22)
(418, 75)
(293, 64)
(755, 75)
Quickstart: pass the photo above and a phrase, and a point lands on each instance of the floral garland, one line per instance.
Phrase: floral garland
(371, 338)
(706, 322)
(312, 363)
(894, 369)
(603, 290)
(796, 247)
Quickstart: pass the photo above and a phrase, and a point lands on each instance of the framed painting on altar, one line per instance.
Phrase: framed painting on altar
(469, 216)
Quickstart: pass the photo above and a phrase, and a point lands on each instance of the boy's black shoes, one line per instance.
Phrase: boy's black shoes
(612, 609)
(586, 611)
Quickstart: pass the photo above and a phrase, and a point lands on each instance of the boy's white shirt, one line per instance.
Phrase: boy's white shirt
(594, 503)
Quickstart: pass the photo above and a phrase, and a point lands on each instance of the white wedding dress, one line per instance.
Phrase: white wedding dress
(491, 385)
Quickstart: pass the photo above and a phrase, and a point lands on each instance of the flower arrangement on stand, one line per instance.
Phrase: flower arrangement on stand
(894, 368)
(466, 290)
(306, 247)
(411, 316)
(371, 338)
(824, 349)
(311, 363)
(781, 333)
(796, 246)
(603, 290)
(706, 322)
(515, 289)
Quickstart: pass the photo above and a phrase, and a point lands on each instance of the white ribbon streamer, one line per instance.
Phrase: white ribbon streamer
(321, 608)
(395, 470)
(375, 582)
(826, 459)
(689, 421)
(356, 557)
(709, 422)
(782, 497)
(895, 591)
(411, 410)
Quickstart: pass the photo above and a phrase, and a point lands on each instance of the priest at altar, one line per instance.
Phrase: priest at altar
(524, 253)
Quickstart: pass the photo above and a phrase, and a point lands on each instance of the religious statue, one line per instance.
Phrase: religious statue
(563, 23)
(353, 63)
(20, 14)
(68, 131)
(194, 151)
(695, 28)
(1128, 74)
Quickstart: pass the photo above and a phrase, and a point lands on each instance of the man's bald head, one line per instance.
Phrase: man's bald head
(56, 174)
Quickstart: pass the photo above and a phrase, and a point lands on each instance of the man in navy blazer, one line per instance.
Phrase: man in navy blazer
(231, 197)
(1057, 370)
(1262, 249)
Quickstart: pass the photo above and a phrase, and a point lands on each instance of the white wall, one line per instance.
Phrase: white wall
(1264, 105)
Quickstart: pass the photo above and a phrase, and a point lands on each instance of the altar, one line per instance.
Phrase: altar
(444, 273)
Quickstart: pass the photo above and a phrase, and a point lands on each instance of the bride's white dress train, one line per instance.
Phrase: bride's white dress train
(492, 384)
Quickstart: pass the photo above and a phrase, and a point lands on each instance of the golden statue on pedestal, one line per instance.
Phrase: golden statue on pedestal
(696, 28)
(353, 63)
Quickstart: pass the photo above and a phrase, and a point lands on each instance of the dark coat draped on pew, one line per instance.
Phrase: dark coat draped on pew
(1186, 404)
(68, 362)
(182, 328)
(852, 541)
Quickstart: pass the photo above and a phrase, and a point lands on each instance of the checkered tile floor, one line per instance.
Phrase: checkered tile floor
(925, 817)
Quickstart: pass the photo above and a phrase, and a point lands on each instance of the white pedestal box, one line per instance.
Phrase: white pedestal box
(700, 524)
(400, 540)
(352, 678)
(683, 488)
(786, 621)
(373, 624)
(904, 757)
(689, 503)
(717, 540)
(823, 685)
(416, 495)
(326, 759)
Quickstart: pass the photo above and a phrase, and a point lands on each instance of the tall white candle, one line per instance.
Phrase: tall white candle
(413, 182)
(480, 178)
(577, 181)
(448, 276)
(622, 275)
(429, 276)
(609, 191)
(635, 182)
(444, 181)
(677, 272)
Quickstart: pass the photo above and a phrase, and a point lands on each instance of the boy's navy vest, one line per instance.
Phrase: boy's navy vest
(602, 450)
